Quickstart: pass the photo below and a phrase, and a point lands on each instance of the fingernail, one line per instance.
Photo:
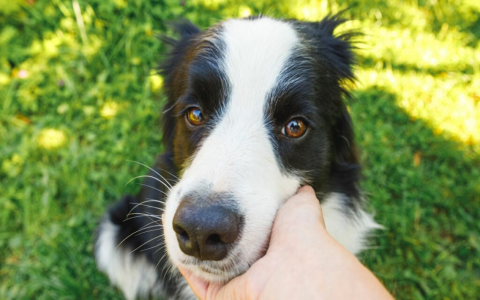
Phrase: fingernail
(306, 189)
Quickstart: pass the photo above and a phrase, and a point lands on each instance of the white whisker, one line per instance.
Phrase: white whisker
(142, 216)
(176, 177)
(149, 248)
(153, 170)
(169, 109)
(152, 230)
(149, 176)
(150, 240)
(165, 268)
(153, 221)
(160, 260)
(153, 200)
(142, 203)
(145, 215)
(134, 233)
(154, 188)
(164, 244)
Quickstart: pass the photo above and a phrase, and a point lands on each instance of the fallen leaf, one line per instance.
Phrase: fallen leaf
(417, 157)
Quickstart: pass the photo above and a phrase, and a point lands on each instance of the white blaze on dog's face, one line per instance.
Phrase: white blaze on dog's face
(235, 91)
(237, 157)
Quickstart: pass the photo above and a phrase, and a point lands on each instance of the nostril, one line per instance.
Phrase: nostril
(181, 233)
(178, 229)
(214, 239)
(184, 236)
(186, 241)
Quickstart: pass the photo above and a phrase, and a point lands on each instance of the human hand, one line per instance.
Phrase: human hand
(302, 262)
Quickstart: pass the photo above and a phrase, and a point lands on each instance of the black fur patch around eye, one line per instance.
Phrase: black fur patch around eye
(310, 86)
(194, 77)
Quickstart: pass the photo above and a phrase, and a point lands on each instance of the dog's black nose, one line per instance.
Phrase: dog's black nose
(206, 231)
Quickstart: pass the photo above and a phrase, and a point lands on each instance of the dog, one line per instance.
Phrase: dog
(255, 109)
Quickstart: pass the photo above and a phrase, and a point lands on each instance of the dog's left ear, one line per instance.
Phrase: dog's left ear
(334, 52)
(335, 59)
(345, 168)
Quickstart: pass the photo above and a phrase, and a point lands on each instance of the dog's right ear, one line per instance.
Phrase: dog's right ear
(173, 70)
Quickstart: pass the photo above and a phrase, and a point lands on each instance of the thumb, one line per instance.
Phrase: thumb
(301, 213)
(198, 286)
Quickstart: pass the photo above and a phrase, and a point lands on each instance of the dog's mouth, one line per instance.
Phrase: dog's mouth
(214, 271)
(235, 264)
(211, 270)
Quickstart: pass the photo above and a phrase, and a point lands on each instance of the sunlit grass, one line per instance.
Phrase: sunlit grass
(435, 77)
(79, 97)
(156, 81)
(425, 51)
(109, 109)
(51, 138)
(449, 102)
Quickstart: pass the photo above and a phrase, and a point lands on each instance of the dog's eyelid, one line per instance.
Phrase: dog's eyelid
(308, 121)
(184, 110)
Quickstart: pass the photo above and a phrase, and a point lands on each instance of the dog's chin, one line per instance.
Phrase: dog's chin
(208, 273)
(236, 264)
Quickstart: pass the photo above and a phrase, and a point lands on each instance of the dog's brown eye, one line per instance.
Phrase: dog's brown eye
(295, 128)
(195, 116)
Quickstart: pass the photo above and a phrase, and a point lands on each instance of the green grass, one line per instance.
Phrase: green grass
(78, 99)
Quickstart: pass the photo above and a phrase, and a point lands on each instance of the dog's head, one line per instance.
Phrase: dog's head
(254, 112)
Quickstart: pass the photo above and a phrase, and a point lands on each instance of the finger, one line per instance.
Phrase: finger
(233, 290)
(301, 207)
(306, 189)
(198, 286)
(309, 192)
(299, 218)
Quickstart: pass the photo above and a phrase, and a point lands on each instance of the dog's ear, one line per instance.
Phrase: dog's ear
(345, 168)
(335, 60)
(173, 69)
(344, 139)
(334, 57)
(334, 52)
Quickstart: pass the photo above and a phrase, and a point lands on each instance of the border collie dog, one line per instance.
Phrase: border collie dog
(255, 110)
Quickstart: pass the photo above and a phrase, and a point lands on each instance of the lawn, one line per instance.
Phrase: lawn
(79, 98)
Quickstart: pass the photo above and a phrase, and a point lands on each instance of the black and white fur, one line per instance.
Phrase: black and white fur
(250, 77)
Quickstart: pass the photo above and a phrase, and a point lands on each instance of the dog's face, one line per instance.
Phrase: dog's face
(254, 111)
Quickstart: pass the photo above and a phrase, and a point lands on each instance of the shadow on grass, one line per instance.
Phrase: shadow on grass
(425, 190)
